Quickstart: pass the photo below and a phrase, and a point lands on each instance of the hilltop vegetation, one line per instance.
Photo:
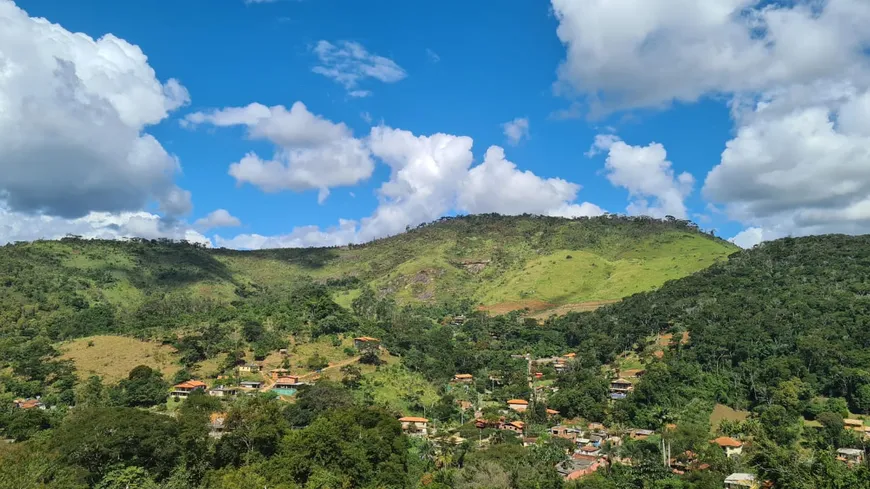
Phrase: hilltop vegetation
(80, 287)
(779, 334)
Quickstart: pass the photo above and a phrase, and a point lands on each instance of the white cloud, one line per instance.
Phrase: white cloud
(750, 237)
(431, 176)
(647, 174)
(799, 168)
(312, 152)
(496, 185)
(516, 130)
(16, 226)
(633, 53)
(217, 219)
(432, 55)
(349, 63)
(300, 237)
(72, 115)
(422, 184)
(365, 116)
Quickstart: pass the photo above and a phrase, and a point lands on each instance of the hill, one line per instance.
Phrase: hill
(488, 259)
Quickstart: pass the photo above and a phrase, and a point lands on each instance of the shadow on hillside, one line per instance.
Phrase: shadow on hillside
(310, 258)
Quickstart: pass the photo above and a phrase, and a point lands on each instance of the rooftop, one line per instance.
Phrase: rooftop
(740, 477)
(366, 339)
(725, 441)
(413, 419)
(191, 384)
(521, 402)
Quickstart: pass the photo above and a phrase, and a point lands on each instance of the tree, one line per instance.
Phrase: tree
(351, 376)
(127, 478)
(99, 439)
(143, 387)
(91, 392)
(316, 362)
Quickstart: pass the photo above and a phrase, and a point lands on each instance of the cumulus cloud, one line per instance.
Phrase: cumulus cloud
(349, 63)
(647, 175)
(799, 169)
(430, 176)
(16, 226)
(634, 53)
(220, 218)
(516, 130)
(311, 151)
(73, 111)
(496, 185)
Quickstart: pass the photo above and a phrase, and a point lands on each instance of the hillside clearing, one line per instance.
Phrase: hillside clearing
(113, 357)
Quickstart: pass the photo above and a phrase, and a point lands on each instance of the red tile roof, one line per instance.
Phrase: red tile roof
(725, 441)
(519, 402)
(191, 384)
(413, 419)
(366, 339)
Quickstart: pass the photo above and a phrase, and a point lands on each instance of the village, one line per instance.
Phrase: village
(588, 446)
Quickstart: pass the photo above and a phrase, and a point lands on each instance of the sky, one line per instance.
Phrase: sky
(291, 123)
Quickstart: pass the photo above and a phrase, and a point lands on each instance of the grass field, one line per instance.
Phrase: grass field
(113, 357)
(722, 412)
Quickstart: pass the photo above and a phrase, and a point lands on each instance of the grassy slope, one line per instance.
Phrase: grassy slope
(525, 259)
(112, 357)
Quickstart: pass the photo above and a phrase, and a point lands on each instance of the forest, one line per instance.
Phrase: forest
(778, 333)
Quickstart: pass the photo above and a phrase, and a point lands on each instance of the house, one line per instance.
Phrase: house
(463, 378)
(530, 441)
(464, 405)
(518, 405)
(251, 384)
(290, 382)
(570, 356)
(740, 481)
(222, 391)
(552, 412)
(216, 424)
(596, 427)
(29, 404)
(852, 456)
(621, 386)
(277, 373)
(366, 342)
(283, 352)
(414, 425)
(589, 451)
(731, 446)
(250, 368)
(539, 375)
(575, 468)
(854, 424)
(565, 432)
(184, 389)
(515, 426)
(459, 320)
(560, 367)
(641, 434)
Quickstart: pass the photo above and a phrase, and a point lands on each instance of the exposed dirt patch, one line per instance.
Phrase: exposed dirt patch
(505, 307)
(566, 308)
(541, 310)
(472, 266)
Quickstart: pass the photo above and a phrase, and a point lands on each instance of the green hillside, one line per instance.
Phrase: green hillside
(488, 259)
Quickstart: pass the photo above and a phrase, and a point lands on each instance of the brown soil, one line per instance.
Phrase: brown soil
(506, 307)
(577, 307)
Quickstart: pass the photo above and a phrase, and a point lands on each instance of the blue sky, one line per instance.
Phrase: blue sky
(627, 74)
